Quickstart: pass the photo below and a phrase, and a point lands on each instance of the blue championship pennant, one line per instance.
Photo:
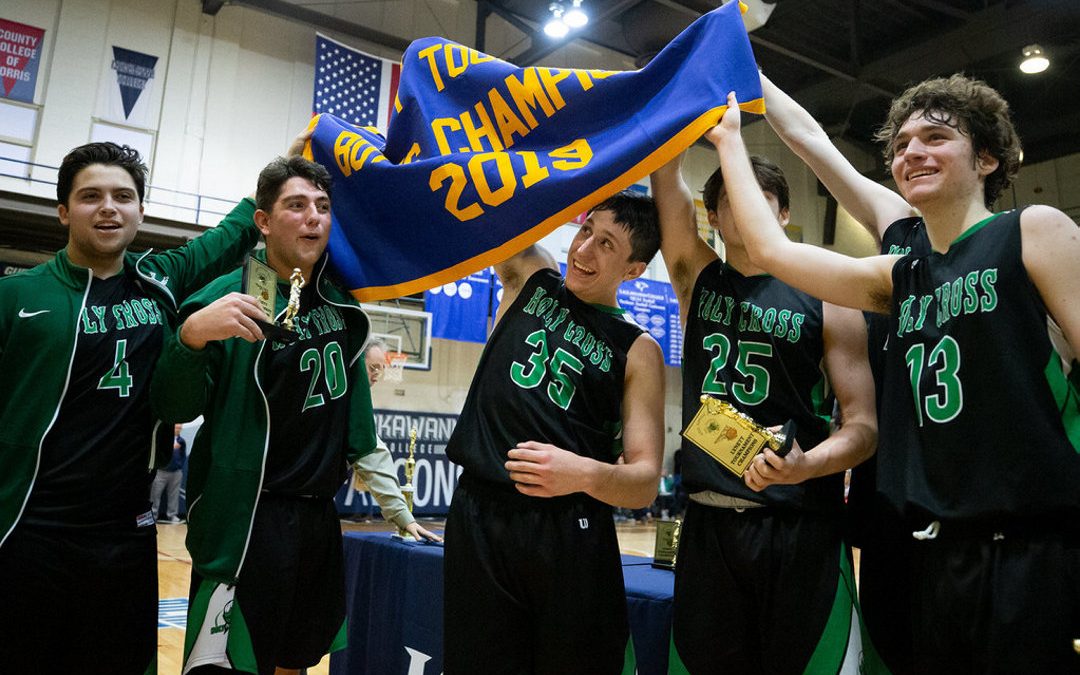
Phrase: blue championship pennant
(483, 158)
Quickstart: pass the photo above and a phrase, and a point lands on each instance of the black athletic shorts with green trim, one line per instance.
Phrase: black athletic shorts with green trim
(533, 586)
(764, 591)
(997, 599)
(78, 600)
(291, 590)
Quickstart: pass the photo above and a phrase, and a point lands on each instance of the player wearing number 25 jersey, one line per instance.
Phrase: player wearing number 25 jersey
(763, 581)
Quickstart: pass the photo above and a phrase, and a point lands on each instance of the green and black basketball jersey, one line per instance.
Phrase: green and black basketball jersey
(307, 389)
(978, 417)
(906, 236)
(95, 460)
(553, 371)
(757, 343)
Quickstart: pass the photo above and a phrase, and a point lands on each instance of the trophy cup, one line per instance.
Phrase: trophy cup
(260, 280)
(733, 438)
(667, 543)
(408, 489)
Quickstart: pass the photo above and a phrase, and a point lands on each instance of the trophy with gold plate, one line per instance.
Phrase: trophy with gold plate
(733, 438)
(260, 280)
(667, 543)
(407, 490)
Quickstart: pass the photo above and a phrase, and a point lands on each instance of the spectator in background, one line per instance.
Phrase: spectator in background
(168, 479)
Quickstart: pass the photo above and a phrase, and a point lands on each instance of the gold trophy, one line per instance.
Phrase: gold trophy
(407, 490)
(733, 438)
(296, 282)
(260, 280)
(667, 543)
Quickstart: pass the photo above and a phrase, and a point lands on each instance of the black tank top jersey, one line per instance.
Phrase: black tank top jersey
(906, 236)
(307, 388)
(553, 371)
(94, 468)
(902, 237)
(757, 343)
(976, 407)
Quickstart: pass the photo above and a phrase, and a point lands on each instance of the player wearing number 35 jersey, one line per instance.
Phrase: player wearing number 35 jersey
(566, 387)
(763, 582)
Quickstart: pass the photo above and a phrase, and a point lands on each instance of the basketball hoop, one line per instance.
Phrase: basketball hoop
(395, 367)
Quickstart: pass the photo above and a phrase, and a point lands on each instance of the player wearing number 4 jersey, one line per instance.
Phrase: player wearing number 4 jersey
(79, 336)
(763, 582)
(565, 386)
(281, 420)
(980, 417)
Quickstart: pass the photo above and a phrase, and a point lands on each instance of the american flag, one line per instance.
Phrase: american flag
(352, 85)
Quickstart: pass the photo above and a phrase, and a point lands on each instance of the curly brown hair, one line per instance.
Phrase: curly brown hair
(974, 108)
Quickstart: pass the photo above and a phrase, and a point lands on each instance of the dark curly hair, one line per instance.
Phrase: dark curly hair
(279, 171)
(107, 153)
(975, 109)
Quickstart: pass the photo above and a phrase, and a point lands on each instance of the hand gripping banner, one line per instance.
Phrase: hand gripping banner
(483, 158)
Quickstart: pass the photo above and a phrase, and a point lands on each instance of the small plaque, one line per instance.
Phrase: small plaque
(732, 438)
(667, 543)
(260, 281)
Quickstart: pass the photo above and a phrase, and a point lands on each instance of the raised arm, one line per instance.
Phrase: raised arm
(862, 283)
(516, 270)
(873, 205)
(849, 374)
(216, 251)
(543, 470)
(684, 252)
(1051, 243)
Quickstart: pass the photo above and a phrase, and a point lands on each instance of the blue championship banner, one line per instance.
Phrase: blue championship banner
(483, 158)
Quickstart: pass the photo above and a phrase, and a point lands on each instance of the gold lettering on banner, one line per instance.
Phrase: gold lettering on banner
(533, 168)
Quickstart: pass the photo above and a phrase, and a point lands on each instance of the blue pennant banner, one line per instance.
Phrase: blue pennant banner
(133, 71)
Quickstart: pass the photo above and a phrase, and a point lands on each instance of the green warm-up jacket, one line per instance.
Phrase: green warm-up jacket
(223, 382)
(39, 315)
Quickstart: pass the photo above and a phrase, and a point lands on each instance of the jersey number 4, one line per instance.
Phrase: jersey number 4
(755, 385)
(118, 377)
(948, 398)
(529, 375)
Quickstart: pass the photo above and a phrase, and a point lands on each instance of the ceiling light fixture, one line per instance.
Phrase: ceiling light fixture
(576, 16)
(556, 27)
(1035, 60)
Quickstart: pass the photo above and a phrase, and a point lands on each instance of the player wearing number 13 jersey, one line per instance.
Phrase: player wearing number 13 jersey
(565, 386)
(763, 579)
(79, 337)
(980, 417)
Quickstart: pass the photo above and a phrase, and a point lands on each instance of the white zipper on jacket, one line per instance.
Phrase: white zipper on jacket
(147, 277)
(56, 413)
(262, 470)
